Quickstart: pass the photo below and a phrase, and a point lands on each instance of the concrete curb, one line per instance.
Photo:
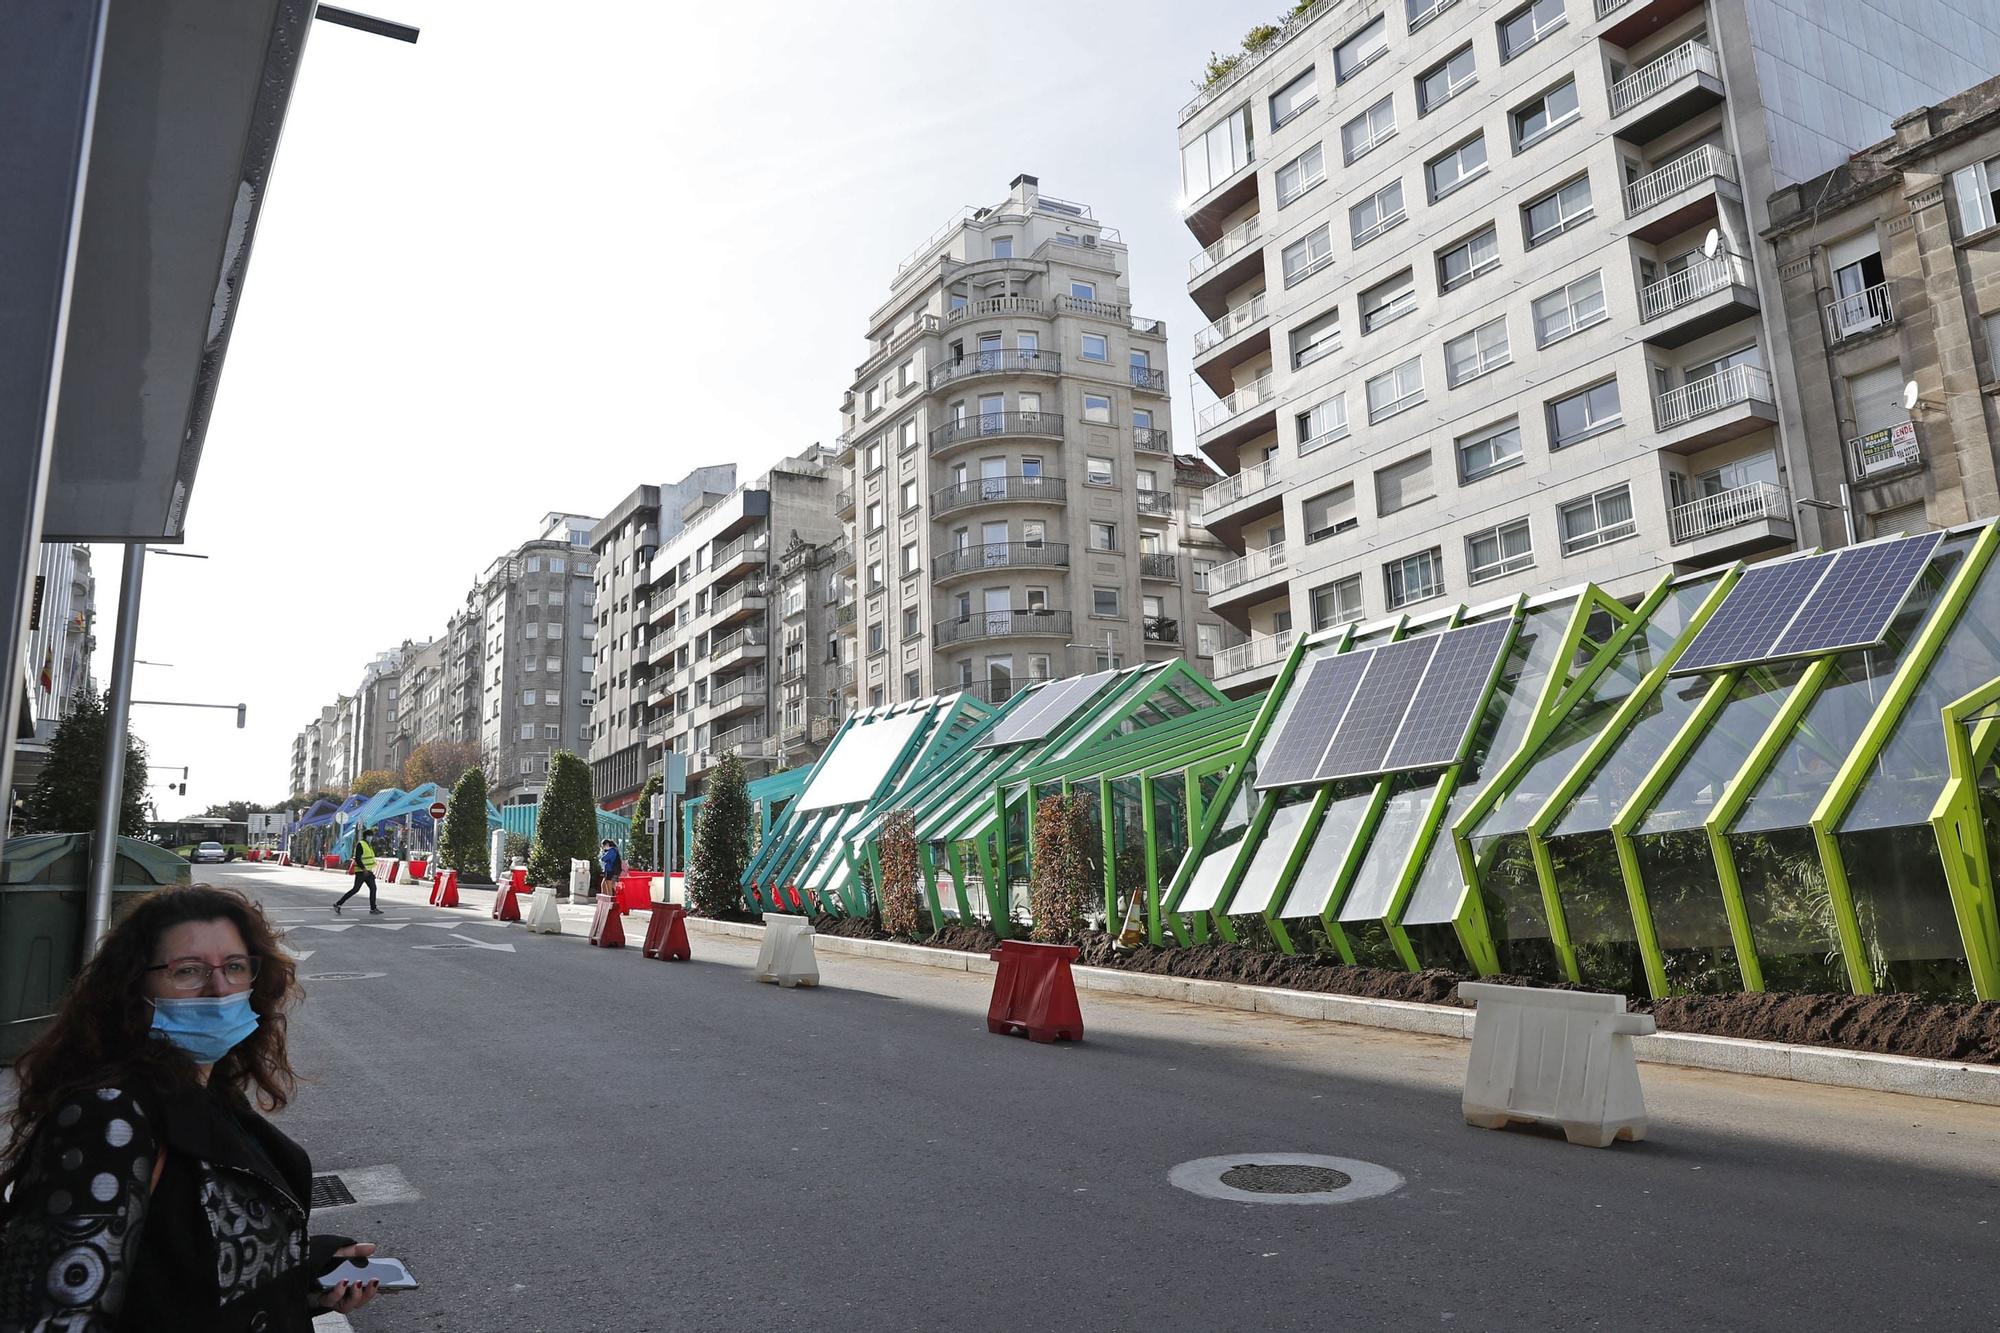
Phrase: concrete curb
(1825, 1065)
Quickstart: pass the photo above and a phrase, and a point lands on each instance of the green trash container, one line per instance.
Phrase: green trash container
(44, 884)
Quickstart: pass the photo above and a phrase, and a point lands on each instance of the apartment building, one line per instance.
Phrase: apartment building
(422, 718)
(999, 438)
(709, 620)
(465, 672)
(1485, 310)
(537, 610)
(62, 623)
(816, 611)
(624, 542)
(379, 726)
(1890, 269)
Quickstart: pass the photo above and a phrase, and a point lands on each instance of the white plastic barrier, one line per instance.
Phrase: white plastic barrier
(1557, 1058)
(542, 915)
(496, 853)
(579, 880)
(403, 875)
(786, 955)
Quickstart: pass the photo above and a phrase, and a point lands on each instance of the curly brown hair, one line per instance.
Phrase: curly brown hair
(102, 1035)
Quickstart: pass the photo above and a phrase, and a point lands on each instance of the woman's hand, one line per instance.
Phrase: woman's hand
(347, 1297)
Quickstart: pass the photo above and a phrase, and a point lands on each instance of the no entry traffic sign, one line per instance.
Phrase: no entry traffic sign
(437, 809)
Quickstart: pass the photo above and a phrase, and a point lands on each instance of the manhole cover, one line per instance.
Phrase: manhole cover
(1260, 1179)
(342, 976)
(329, 1191)
(1284, 1177)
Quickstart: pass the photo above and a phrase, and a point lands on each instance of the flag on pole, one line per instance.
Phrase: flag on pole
(48, 670)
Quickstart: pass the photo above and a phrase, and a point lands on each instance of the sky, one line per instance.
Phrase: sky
(556, 251)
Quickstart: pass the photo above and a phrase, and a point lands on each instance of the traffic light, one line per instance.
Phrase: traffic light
(181, 790)
(241, 709)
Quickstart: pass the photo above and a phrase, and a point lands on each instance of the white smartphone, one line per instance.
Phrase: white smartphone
(391, 1273)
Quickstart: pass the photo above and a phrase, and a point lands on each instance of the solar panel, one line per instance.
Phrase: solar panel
(1322, 701)
(1753, 615)
(853, 771)
(1010, 727)
(1377, 711)
(1859, 597)
(1064, 706)
(1447, 703)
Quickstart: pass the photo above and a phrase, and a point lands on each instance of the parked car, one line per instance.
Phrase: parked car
(208, 851)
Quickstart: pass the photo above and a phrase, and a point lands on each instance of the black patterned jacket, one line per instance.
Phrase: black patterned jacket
(93, 1245)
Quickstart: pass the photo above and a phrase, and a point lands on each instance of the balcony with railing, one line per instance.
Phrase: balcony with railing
(1262, 652)
(1860, 313)
(1114, 311)
(1707, 295)
(744, 599)
(749, 741)
(1164, 565)
(1147, 379)
(1148, 328)
(1673, 197)
(1259, 396)
(988, 556)
(1238, 336)
(1629, 22)
(1754, 515)
(746, 691)
(1227, 503)
(1245, 576)
(995, 361)
(1001, 625)
(1221, 266)
(1160, 629)
(752, 643)
(1723, 406)
(750, 551)
(976, 426)
(1666, 91)
(1037, 489)
(1152, 440)
(1155, 503)
(844, 614)
(998, 307)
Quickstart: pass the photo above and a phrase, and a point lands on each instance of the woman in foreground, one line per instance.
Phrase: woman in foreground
(139, 1188)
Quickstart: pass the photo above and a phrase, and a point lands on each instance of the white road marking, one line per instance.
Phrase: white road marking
(328, 925)
(297, 955)
(387, 925)
(468, 941)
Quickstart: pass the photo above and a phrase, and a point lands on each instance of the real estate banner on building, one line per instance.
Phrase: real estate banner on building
(1890, 449)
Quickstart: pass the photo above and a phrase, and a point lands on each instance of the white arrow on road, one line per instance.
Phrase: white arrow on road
(330, 925)
(298, 955)
(388, 925)
(463, 939)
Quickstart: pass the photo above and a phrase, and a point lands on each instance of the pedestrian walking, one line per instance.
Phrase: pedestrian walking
(364, 873)
(611, 863)
(139, 1187)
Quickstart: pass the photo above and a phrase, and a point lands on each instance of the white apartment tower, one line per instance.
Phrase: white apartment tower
(1488, 312)
(1007, 458)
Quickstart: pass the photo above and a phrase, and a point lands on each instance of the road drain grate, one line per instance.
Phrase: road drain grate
(1260, 1179)
(329, 1191)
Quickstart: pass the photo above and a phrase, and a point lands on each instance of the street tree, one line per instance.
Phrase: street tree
(462, 846)
(64, 797)
(566, 825)
(373, 781)
(639, 843)
(1062, 874)
(443, 762)
(899, 896)
(721, 842)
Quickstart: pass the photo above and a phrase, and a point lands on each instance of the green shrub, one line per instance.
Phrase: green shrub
(566, 825)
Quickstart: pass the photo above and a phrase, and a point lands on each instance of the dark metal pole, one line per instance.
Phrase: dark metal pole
(48, 97)
(348, 18)
(117, 714)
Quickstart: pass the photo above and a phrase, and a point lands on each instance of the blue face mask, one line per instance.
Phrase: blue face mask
(207, 1027)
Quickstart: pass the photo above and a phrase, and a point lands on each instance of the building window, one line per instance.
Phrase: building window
(1103, 536)
(1359, 51)
(1316, 338)
(1400, 485)
(909, 496)
(1550, 112)
(1329, 513)
(875, 637)
(1485, 452)
(875, 699)
(1388, 301)
(528, 698)
(1396, 390)
(1476, 254)
(875, 579)
(1229, 146)
(1336, 603)
(910, 622)
(1477, 353)
(913, 684)
(1444, 80)
(1097, 471)
(1207, 640)
(1097, 409)
(1003, 247)
(551, 733)
(1978, 191)
(1582, 414)
(874, 516)
(910, 563)
(1294, 97)
(906, 376)
(1300, 174)
(1450, 170)
(1557, 211)
(1597, 519)
(1376, 214)
(1308, 254)
(1414, 578)
(1504, 549)
(1095, 348)
(534, 564)
(908, 436)
(874, 456)
(527, 731)
(1104, 601)
(1523, 27)
(1570, 309)
(1201, 570)
(1322, 424)
(1368, 129)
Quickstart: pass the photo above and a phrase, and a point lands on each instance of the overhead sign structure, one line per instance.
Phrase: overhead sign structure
(437, 809)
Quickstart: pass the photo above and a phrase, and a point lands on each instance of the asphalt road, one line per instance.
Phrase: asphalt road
(601, 1142)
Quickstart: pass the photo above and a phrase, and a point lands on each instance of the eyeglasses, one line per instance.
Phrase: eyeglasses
(190, 974)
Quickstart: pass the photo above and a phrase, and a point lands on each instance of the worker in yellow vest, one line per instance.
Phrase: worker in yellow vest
(364, 873)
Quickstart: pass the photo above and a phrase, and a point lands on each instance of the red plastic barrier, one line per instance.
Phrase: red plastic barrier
(1034, 991)
(284, 858)
(506, 898)
(635, 890)
(390, 876)
(331, 863)
(607, 930)
(444, 889)
(667, 935)
(419, 868)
